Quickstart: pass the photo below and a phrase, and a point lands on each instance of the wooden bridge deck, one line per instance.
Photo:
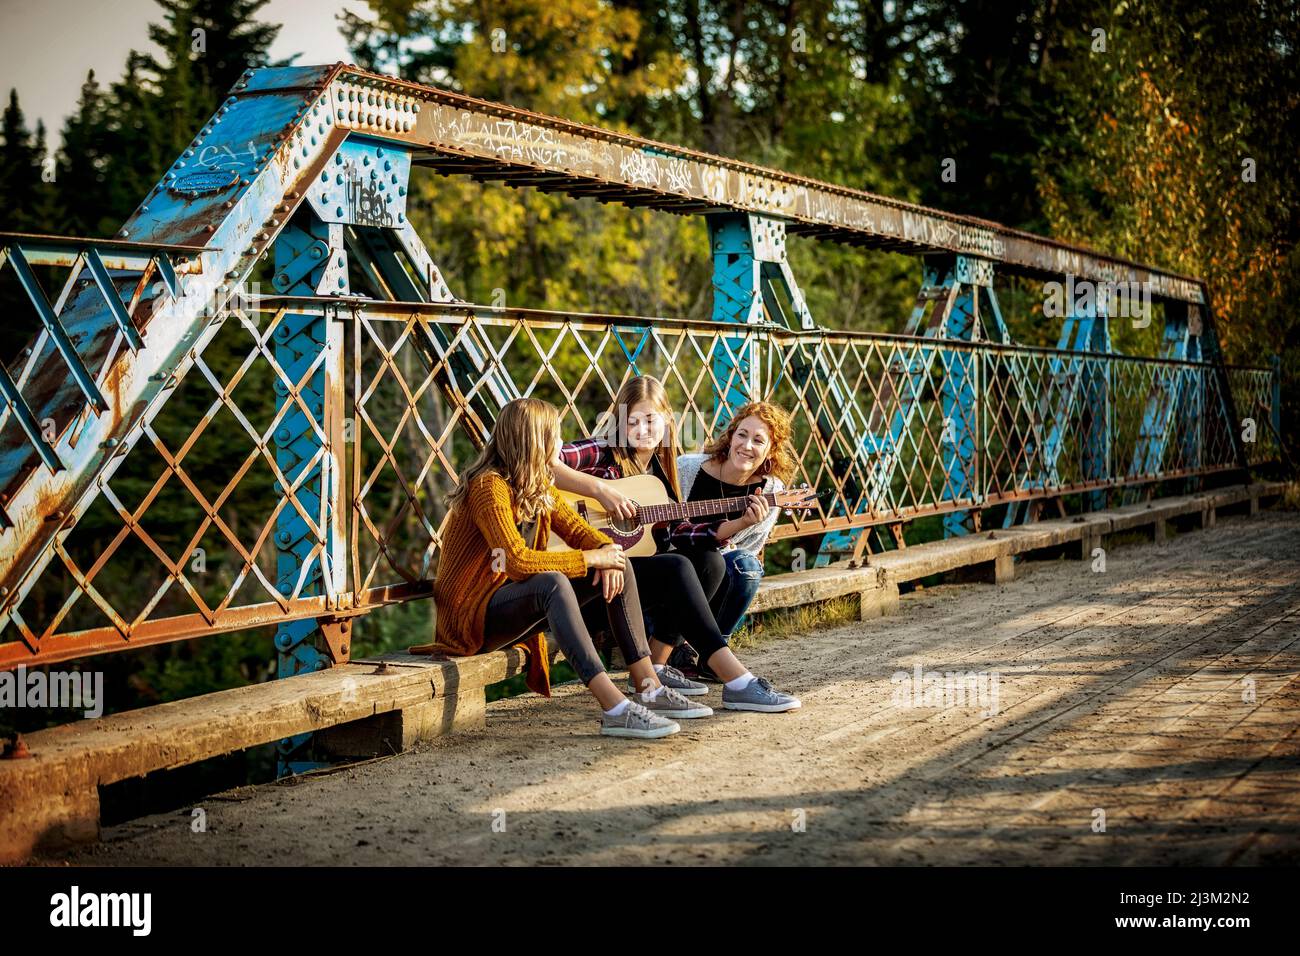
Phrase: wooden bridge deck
(1162, 693)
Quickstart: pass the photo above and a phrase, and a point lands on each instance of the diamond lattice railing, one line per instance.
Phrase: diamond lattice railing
(180, 540)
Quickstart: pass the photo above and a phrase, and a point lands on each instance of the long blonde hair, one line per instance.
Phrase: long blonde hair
(645, 388)
(520, 450)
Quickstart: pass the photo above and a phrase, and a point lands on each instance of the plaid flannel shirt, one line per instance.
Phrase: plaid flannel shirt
(593, 456)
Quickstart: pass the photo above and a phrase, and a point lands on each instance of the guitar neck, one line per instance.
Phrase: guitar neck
(676, 511)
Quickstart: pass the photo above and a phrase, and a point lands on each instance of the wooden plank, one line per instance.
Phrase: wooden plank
(937, 557)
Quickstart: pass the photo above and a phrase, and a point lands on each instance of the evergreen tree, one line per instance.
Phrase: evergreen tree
(120, 141)
(20, 169)
(206, 45)
(83, 164)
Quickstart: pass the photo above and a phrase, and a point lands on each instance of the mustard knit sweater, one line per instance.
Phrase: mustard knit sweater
(481, 537)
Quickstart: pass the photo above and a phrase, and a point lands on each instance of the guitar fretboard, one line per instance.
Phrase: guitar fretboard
(674, 511)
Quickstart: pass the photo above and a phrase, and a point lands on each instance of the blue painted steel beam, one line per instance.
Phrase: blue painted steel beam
(737, 297)
(109, 289)
(1081, 390)
(947, 307)
(307, 262)
(960, 415)
(753, 284)
(80, 373)
(1170, 392)
(27, 421)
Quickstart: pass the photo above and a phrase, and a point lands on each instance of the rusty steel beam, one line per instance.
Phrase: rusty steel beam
(465, 134)
(229, 193)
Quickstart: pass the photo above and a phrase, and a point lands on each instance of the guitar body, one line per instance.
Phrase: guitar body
(635, 539)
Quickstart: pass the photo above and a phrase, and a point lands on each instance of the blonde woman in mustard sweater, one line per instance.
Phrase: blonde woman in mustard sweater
(497, 585)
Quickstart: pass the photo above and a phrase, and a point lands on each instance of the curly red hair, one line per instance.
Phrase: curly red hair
(780, 461)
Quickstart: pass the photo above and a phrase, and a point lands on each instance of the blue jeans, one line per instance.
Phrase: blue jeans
(744, 575)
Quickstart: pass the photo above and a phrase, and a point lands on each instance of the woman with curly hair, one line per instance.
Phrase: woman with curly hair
(752, 456)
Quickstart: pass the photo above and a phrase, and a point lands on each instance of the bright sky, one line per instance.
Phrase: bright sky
(46, 46)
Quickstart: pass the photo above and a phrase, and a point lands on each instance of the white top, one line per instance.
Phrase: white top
(748, 539)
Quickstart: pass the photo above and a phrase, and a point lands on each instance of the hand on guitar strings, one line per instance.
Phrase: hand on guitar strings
(615, 503)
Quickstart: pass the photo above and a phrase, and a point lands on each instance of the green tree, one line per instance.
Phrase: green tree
(21, 155)
(1177, 146)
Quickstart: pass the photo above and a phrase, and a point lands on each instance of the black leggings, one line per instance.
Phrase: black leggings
(711, 570)
(551, 601)
(674, 597)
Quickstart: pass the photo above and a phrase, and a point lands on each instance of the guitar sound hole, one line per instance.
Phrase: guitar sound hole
(625, 525)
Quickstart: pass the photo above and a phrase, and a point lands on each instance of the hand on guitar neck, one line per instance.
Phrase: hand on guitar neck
(654, 506)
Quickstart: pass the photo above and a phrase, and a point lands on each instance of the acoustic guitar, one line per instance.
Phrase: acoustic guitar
(654, 506)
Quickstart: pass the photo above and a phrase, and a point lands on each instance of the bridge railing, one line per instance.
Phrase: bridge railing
(187, 537)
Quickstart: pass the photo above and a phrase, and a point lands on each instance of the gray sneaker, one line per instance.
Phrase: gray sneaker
(671, 677)
(759, 695)
(637, 721)
(669, 703)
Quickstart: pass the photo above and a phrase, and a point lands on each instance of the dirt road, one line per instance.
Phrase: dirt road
(1144, 714)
